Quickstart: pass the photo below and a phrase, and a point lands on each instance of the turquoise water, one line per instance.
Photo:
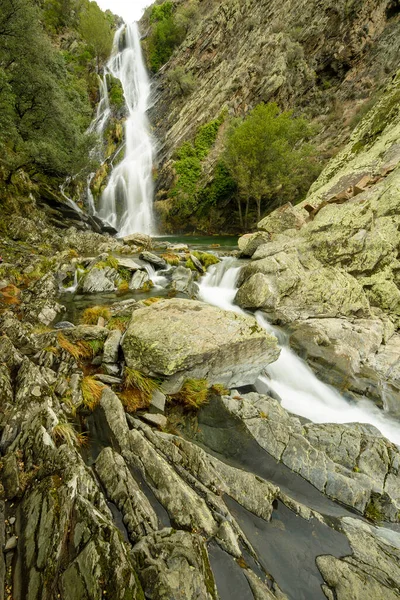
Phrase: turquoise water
(225, 242)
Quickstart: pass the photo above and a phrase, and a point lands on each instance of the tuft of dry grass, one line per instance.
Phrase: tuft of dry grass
(91, 392)
(10, 295)
(193, 394)
(171, 259)
(136, 380)
(64, 433)
(91, 315)
(123, 287)
(79, 350)
(220, 389)
(120, 323)
(134, 400)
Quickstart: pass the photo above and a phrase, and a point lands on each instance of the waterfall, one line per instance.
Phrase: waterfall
(290, 378)
(127, 201)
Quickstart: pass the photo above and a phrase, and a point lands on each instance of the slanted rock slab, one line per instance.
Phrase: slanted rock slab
(181, 339)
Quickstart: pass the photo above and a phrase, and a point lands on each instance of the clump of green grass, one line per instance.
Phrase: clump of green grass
(91, 392)
(137, 390)
(171, 258)
(91, 315)
(117, 322)
(206, 258)
(193, 394)
(136, 380)
(123, 287)
(190, 265)
(96, 346)
(373, 512)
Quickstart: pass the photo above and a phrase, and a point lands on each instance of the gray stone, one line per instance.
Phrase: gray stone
(138, 239)
(173, 565)
(257, 292)
(189, 339)
(11, 543)
(111, 346)
(249, 243)
(64, 325)
(122, 489)
(182, 281)
(108, 379)
(129, 263)
(153, 259)
(197, 264)
(158, 400)
(99, 280)
(155, 419)
(138, 280)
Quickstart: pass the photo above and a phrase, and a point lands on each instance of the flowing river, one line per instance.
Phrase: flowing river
(289, 378)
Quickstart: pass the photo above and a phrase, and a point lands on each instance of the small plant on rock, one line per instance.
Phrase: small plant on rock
(91, 392)
(117, 322)
(137, 390)
(91, 315)
(206, 258)
(193, 394)
(171, 259)
(64, 433)
(78, 350)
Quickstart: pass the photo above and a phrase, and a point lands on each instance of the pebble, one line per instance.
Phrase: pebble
(11, 543)
(157, 420)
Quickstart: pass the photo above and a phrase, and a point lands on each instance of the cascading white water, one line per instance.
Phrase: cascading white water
(299, 390)
(127, 201)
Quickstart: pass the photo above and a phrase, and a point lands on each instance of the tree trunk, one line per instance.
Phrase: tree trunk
(247, 213)
(258, 202)
(240, 212)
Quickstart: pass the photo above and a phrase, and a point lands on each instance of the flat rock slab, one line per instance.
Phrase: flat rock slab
(182, 339)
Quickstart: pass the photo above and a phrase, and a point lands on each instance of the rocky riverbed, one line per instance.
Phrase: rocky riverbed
(139, 461)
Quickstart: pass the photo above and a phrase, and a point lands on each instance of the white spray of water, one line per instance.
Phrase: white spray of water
(299, 390)
(127, 201)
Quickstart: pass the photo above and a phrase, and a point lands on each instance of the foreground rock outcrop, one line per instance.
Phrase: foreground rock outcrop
(181, 339)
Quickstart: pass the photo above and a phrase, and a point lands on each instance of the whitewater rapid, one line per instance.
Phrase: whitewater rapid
(289, 378)
(127, 201)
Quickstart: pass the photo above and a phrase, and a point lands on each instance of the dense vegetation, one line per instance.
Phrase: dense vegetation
(168, 28)
(261, 162)
(268, 158)
(49, 52)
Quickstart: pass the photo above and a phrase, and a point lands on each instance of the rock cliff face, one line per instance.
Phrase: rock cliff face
(326, 59)
(331, 266)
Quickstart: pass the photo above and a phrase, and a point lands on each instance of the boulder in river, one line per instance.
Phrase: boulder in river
(153, 259)
(181, 339)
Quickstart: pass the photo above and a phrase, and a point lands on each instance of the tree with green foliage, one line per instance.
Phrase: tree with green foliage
(168, 28)
(268, 157)
(96, 30)
(44, 108)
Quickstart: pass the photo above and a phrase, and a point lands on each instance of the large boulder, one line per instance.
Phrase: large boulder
(180, 339)
(283, 218)
(249, 243)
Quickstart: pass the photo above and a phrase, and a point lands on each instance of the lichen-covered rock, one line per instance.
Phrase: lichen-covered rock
(283, 218)
(182, 281)
(174, 565)
(371, 573)
(189, 339)
(157, 261)
(100, 280)
(357, 356)
(139, 279)
(257, 292)
(249, 243)
(122, 489)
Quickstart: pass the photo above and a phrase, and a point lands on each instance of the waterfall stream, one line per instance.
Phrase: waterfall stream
(289, 378)
(127, 201)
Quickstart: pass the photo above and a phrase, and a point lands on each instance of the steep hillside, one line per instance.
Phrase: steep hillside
(328, 61)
